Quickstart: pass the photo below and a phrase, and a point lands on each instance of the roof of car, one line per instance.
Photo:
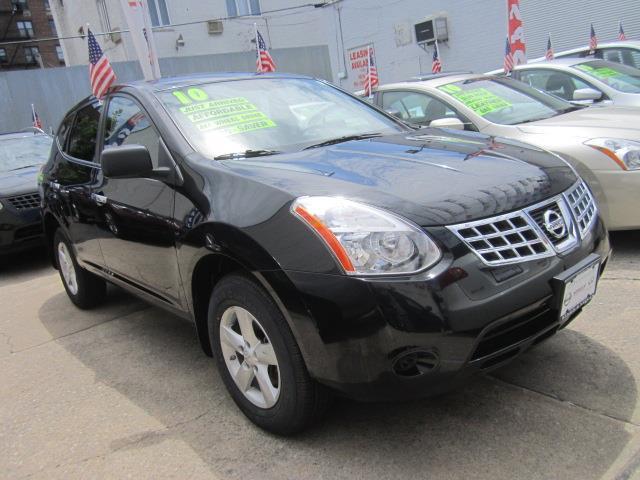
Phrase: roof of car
(195, 79)
(13, 135)
(434, 82)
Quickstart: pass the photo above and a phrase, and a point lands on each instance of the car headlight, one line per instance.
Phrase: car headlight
(626, 153)
(1, 206)
(367, 240)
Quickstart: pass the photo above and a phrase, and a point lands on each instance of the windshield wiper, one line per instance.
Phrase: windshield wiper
(246, 154)
(346, 138)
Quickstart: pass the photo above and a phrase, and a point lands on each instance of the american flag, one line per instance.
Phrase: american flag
(36, 119)
(101, 74)
(436, 65)
(372, 79)
(549, 55)
(593, 41)
(508, 58)
(264, 62)
(621, 36)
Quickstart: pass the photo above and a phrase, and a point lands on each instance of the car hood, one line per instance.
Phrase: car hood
(432, 177)
(591, 122)
(20, 181)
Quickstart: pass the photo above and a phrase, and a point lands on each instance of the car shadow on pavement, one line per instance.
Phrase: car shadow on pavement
(558, 412)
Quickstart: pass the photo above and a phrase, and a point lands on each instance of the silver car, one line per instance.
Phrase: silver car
(584, 80)
(626, 52)
(602, 143)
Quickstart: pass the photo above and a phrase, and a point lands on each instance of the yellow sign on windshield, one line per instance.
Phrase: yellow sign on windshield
(229, 116)
(480, 100)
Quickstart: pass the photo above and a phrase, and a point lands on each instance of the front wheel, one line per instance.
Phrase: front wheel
(84, 289)
(259, 359)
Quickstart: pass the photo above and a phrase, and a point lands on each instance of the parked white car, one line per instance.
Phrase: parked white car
(584, 80)
(602, 143)
(627, 52)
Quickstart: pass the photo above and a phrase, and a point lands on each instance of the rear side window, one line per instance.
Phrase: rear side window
(558, 83)
(82, 137)
(63, 131)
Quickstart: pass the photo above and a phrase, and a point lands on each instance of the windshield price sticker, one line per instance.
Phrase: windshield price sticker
(229, 116)
(603, 72)
(480, 100)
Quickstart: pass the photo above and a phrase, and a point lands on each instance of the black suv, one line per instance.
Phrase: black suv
(318, 244)
(22, 154)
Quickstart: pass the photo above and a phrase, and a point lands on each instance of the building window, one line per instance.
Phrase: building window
(60, 53)
(47, 7)
(159, 13)
(52, 26)
(240, 8)
(19, 4)
(31, 54)
(103, 13)
(3, 55)
(25, 29)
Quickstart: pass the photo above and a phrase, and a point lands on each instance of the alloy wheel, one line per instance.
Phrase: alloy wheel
(67, 268)
(250, 357)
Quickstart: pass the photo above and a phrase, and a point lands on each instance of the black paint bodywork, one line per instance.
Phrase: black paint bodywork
(20, 228)
(169, 240)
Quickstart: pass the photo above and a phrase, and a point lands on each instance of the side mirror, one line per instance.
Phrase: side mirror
(586, 95)
(452, 123)
(127, 161)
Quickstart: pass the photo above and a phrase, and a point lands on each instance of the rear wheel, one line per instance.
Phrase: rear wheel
(259, 359)
(85, 289)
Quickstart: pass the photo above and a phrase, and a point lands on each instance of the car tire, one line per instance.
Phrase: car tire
(292, 400)
(85, 289)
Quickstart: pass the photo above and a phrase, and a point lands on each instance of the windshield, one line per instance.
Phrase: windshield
(505, 101)
(619, 77)
(23, 152)
(269, 115)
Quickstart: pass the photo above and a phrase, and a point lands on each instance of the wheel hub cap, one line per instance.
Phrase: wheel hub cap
(250, 357)
(67, 268)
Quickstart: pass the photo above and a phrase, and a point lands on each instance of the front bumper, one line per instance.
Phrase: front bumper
(20, 229)
(619, 193)
(461, 317)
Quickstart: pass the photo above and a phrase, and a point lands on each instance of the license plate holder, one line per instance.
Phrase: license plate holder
(575, 287)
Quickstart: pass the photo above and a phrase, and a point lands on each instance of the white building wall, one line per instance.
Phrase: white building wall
(477, 30)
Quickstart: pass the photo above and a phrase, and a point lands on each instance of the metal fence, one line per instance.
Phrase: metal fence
(53, 91)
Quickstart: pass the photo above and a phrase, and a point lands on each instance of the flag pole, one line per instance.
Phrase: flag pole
(258, 62)
(438, 52)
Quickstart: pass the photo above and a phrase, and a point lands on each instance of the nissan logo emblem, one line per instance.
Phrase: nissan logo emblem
(555, 224)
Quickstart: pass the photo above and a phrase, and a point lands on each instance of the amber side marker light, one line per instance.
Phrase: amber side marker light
(612, 156)
(327, 235)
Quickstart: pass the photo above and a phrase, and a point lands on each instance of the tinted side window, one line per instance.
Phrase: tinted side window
(128, 124)
(82, 138)
(420, 109)
(63, 131)
(558, 83)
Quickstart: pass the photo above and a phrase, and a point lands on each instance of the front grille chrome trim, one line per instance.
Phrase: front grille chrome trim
(583, 206)
(516, 237)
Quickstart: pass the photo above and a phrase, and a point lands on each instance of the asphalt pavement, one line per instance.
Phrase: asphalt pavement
(123, 391)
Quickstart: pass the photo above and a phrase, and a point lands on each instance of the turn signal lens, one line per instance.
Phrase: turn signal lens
(626, 153)
(366, 240)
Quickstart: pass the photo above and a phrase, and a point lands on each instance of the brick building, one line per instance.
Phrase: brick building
(22, 20)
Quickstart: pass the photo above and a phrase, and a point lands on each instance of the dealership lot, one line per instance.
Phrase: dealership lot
(124, 391)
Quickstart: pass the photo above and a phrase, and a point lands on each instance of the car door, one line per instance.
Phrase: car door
(74, 174)
(561, 84)
(418, 108)
(138, 230)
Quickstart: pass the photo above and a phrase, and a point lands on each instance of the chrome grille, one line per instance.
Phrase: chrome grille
(24, 202)
(510, 238)
(582, 205)
(538, 216)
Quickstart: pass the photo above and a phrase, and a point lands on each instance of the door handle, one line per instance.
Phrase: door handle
(99, 199)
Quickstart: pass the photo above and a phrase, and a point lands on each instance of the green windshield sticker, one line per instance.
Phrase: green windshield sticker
(229, 116)
(451, 89)
(480, 100)
(603, 72)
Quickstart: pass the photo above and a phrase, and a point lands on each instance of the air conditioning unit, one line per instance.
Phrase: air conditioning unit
(26, 13)
(431, 29)
(215, 27)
